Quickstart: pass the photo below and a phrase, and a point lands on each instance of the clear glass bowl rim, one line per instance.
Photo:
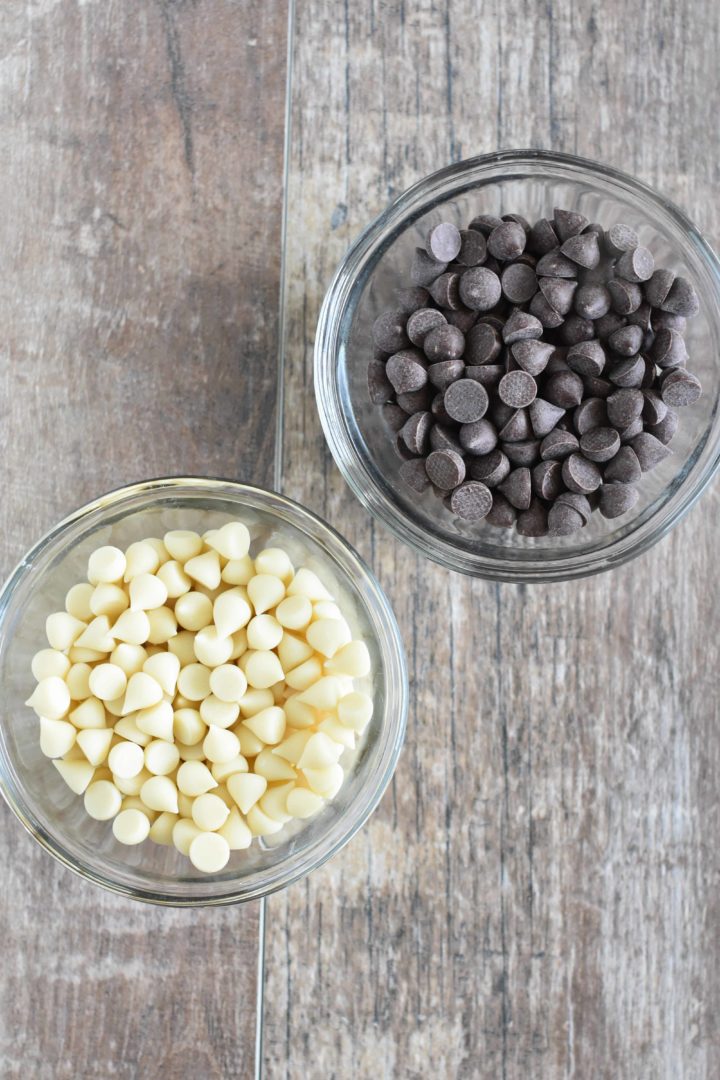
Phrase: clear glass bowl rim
(341, 553)
(415, 200)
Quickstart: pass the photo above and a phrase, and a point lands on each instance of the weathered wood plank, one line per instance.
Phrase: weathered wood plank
(536, 896)
(139, 264)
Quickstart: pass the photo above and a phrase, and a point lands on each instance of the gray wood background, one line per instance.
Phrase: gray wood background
(537, 895)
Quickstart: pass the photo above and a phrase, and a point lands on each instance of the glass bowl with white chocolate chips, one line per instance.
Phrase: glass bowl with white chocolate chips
(204, 692)
(499, 362)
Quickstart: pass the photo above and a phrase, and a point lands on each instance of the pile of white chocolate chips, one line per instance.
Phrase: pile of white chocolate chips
(199, 696)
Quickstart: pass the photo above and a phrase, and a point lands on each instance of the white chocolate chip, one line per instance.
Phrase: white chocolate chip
(232, 541)
(235, 831)
(157, 721)
(305, 675)
(62, 629)
(106, 564)
(108, 682)
(126, 760)
(183, 834)
(183, 544)
(212, 648)
(126, 727)
(183, 646)
(160, 793)
(194, 611)
(161, 758)
(146, 592)
(294, 612)
(50, 698)
(271, 767)
(142, 692)
(223, 770)
(325, 782)
(110, 600)
(220, 745)
(320, 752)
(56, 737)
(164, 667)
(355, 710)
(194, 682)
(306, 583)
(175, 580)
(161, 830)
(332, 727)
(265, 592)
(303, 803)
(246, 789)
(228, 683)
(78, 681)
(328, 635)
(49, 662)
(273, 802)
(263, 670)
(131, 827)
(260, 824)
(231, 611)
(95, 743)
(238, 571)
(141, 558)
(194, 778)
(76, 774)
(188, 726)
(209, 852)
(264, 632)
(250, 745)
(268, 725)
(291, 749)
(132, 627)
(205, 569)
(324, 694)
(222, 714)
(89, 714)
(254, 701)
(353, 660)
(299, 715)
(163, 625)
(97, 636)
(77, 601)
(209, 812)
(276, 562)
(102, 800)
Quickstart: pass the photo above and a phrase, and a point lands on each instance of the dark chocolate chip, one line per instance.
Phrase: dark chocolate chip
(471, 501)
(416, 432)
(526, 452)
(517, 488)
(445, 290)
(532, 355)
(487, 374)
(563, 520)
(446, 469)
(641, 317)
(491, 468)
(519, 219)
(590, 414)
(608, 324)
(379, 387)
(557, 265)
(507, 241)
(478, 437)
(665, 320)
(586, 358)
(413, 401)
(543, 237)
(400, 447)
(636, 264)
(480, 288)
(482, 344)
(580, 475)
(580, 503)
(444, 438)
(423, 269)
(626, 341)
(628, 373)
(617, 499)
(624, 406)
(445, 372)
(628, 433)
(517, 427)
(626, 296)
(437, 408)
(600, 444)
(410, 300)
(389, 330)
(654, 409)
(575, 330)
(503, 514)
(462, 317)
(407, 370)
(473, 248)
(443, 242)
(519, 283)
(657, 288)
(544, 416)
(421, 322)
(564, 389)
(414, 474)
(624, 467)
(568, 223)
(666, 428)
(393, 417)
(517, 389)
(559, 293)
(668, 349)
(485, 223)
(592, 301)
(533, 521)
(583, 250)
(466, 401)
(558, 444)
(445, 342)
(682, 299)
(679, 387)
(547, 315)
(521, 326)
(547, 479)
(620, 238)
(597, 387)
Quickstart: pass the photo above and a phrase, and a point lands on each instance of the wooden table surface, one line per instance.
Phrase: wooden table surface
(537, 895)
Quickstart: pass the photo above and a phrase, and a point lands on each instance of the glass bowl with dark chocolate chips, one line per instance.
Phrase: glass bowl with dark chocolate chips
(516, 366)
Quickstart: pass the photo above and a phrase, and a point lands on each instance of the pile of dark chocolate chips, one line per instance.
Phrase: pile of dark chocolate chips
(531, 374)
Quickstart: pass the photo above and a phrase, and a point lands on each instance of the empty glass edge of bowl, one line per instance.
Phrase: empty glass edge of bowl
(366, 480)
(343, 829)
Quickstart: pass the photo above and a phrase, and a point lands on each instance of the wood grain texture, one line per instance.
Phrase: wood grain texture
(139, 266)
(537, 895)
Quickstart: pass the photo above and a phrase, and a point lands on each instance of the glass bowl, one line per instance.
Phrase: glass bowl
(532, 183)
(56, 817)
